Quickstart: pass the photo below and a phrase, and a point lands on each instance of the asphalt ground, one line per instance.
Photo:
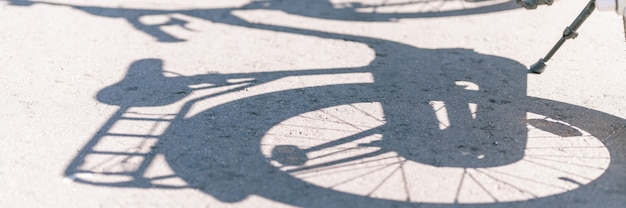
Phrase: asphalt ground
(304, 103)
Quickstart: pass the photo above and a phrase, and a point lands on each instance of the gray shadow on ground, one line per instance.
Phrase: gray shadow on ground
(320, 9)
(218, 150)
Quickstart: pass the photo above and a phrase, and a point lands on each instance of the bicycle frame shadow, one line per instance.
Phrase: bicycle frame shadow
(218, 150)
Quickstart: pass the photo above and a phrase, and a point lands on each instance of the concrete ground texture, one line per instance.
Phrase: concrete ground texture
(309, 103)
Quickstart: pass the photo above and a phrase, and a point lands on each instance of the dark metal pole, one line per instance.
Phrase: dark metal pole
(568, 33)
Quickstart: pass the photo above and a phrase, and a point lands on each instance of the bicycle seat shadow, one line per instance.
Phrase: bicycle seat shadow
(145, 85)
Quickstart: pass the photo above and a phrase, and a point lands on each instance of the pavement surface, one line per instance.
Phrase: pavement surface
(309, 103)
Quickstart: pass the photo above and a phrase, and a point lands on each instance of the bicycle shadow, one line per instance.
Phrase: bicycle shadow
(220, 151)
(348, 11)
